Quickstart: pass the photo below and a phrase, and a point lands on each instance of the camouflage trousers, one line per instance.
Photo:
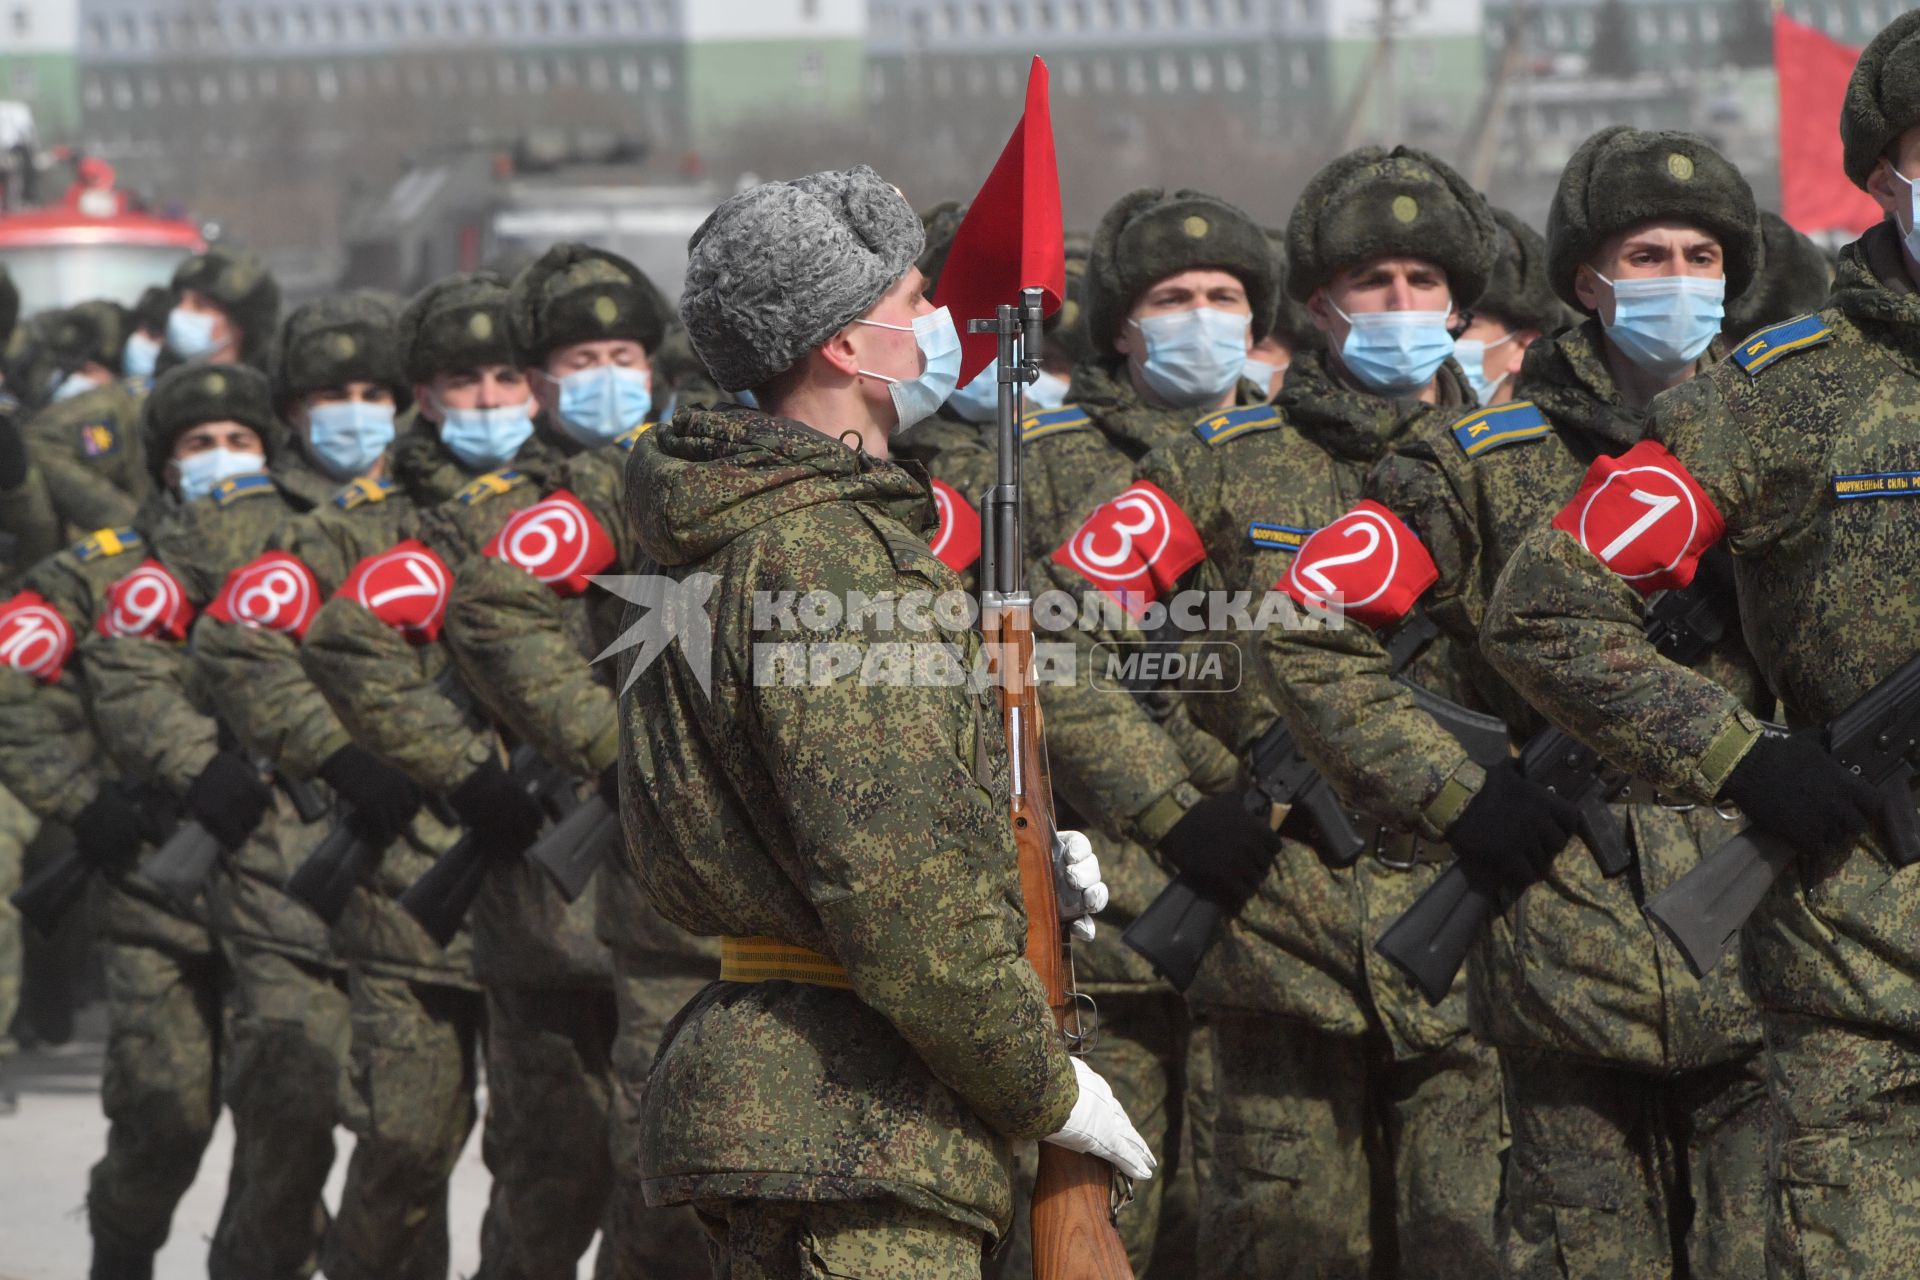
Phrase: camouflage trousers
(1331, 1160)
(667, 1242)
(1845, 1151)
(288, 1026)
(18, 826)
(1622, 1175)
(411, 1076)
(836, 1240)
(160, 1091)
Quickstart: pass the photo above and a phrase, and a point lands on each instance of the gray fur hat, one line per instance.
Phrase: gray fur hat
(777, 270)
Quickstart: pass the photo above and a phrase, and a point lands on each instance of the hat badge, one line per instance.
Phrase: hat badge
(480, 325)
(215, 384)
(605, 310)
(342, 346)
(1405, 208)
(1681, 167)
(1196, 227)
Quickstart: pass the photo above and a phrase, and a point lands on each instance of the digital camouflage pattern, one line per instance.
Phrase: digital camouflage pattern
(817, 1240)
(1827, 601)
(90, 455)
(898, 863)
(29, 527)
(18, 826)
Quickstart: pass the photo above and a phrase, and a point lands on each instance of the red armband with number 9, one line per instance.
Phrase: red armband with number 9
(557, 540)
(148, 602)
(1644, 517)
(273, 592)
(405, 586)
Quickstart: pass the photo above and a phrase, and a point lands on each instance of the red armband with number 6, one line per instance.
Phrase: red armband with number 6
(557, 540)
(1644, 517)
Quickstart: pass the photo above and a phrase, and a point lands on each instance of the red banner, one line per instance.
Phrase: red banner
(1813, 71)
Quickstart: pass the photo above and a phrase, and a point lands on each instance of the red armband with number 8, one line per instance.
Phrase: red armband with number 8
(273, 592)
(1644, 517)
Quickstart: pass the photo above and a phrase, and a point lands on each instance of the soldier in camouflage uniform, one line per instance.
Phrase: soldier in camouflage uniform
(551, 1013)
(528, 645)
(1634, 1091)
(1355, 1126)
(1791, 279)
(1518, 308)
(211, 435)
(1798, 453)
(343, 365)
(88, 447)
(841, 1102)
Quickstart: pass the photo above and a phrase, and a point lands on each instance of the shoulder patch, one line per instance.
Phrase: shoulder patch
(492, 484)
(627, 439)
(138, 384)
(1502, 425)
(361, 490)
(256, 485)
(1763, 347)
(1277, 537)
(99, 439)
(1218, 428)
(1052, 422)
(102, 543)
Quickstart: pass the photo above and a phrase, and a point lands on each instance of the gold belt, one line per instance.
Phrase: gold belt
(771, 960)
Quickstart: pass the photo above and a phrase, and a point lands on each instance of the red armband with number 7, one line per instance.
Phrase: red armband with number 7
(1644, 517)
(406, 586)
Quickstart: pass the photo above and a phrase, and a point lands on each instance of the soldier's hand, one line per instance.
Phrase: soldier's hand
(1077, 882)
(493, 805)
(111, 826)
(229, 798)
(1099, 1126)
(384, 799)
(1510, 831)
(1791, 788)
(1222, 848)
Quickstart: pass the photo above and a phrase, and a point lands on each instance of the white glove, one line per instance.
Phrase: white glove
(1099, 1127)
(1077, 882)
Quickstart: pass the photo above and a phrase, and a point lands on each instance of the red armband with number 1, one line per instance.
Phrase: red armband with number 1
(1644, 517)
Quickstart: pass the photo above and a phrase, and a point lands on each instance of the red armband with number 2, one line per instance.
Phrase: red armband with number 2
(1367, 565)
(1643, 517)
(557, 540)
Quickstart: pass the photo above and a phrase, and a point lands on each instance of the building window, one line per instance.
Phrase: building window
(662, 75)
(1233, 73)
(1169, 75)
(1300, 68)
(268, 82)
(1009, 79)
(123, 93)
(91, 95)
(326, 84)
(598, 78)
(23, 80)
(1102, 76)
(1070, 79)
(1201, 69)
(237, 86)
(812, 71)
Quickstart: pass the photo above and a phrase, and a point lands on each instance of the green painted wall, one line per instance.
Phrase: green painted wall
(50, 84)
(728, 81)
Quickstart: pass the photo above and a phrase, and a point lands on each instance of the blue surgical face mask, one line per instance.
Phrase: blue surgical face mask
(1260, 373)
(747, 398)
(486, 438)
(602, 402)
(1912, 235)
(918, 398)
(979, 400)
(190, 333)
(141, 355)
(1395, 353)
(1665, 323)
(1048, 391)
(1472, 355)
(200, 472)
(1193, 357)
(347, 437)
(74, 384)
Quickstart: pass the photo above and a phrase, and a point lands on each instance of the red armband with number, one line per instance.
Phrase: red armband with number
(1367, 565)
(148, 602)
(274, 592)
(1643, 517)
(557, 540)
(405, 587)
(957, 541)
(34, 637)
(1134, 547)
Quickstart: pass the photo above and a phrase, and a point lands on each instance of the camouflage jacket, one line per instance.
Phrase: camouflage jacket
(862, 818)
(1124, 768)
(155, 710)
(389, 693)
(1574, 966)
(89, 450)
(530, 653)
(1780, 436)
(265, 697)
(29, 528)
(1255, 483)
(958, 456)
(50, 754)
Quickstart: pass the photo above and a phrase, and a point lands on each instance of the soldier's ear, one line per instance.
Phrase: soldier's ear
(839, 355)
(1887, 190)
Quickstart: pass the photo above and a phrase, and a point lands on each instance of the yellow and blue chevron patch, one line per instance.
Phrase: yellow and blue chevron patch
(102, 543)
(627, 439)
(1502, 425)
(1218, 428)
(361, 490)
(492, 484)
(228, 492)
(1277, 537)
(1053, 422)
(1762, 347)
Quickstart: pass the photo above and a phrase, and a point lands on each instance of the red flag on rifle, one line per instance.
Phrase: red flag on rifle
(1011, 238)
(1813, 71)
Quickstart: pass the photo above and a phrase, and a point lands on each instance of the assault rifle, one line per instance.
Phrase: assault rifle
(1875, 738)
(1430, 940)
(1073, 1231)
(50, 892)
(180, 867)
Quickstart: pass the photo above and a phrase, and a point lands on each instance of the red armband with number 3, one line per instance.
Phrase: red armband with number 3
(1644, 517)
(1134, 547)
